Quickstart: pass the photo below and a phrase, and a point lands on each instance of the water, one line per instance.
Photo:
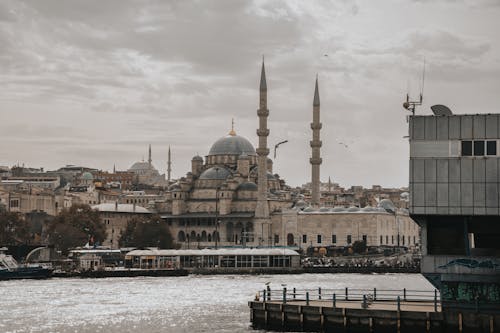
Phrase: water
(159, 304)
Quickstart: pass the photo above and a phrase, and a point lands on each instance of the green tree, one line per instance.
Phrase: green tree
(14, 229)
(149, 231)
(75, 227)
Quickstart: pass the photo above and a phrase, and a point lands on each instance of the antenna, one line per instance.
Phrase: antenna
(411, 105)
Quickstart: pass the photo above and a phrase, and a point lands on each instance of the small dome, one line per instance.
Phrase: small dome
(309, 209)
(87, 176)
(338, 209)
(247, 186)
(197, 158)
(269, 160)
(368, 209)
(387, 205)
(300, 204)
(353, 209)
(324, 209)
(215, 173)
(232, 145)
(270, 176)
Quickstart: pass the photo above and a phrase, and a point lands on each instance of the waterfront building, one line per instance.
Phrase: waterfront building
(341, 227)
(115, 217)
(454, 197)
(215, 259)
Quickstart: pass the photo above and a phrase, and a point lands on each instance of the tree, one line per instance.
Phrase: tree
(76, 226)
(150, 231)
(359, 247)
(14, 229)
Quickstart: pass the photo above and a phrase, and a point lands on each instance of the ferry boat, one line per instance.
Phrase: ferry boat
(11, 269)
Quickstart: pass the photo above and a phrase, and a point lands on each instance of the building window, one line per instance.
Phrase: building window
(381, 240)
(491, 148)
(276, 239)
(386, 239)
(364, 239)
(304, 238)
(349, 239)
(414, 240)
(392, 239)
(334, 239)
(479, 148)
(403, 239)
(466, 148)
(319, 239)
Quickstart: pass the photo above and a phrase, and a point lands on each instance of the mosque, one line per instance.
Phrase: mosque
(146, 173)
(232, 198)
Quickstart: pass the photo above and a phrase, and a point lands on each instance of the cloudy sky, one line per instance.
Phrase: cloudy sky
(93, 82)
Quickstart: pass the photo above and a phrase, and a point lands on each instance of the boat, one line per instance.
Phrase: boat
(11, 269)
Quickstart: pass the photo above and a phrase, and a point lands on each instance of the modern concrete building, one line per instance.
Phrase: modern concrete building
(454, 197)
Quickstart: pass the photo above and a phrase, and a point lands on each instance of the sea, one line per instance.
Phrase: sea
(195, 303)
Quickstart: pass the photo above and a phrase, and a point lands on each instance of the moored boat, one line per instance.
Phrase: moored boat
(11, 269)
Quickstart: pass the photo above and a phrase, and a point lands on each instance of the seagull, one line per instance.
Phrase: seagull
(343, 144)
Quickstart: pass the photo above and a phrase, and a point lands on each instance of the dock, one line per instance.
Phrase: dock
(358, 310)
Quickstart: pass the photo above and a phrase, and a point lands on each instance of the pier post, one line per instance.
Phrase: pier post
(268, 293)
(284, 295)
(334, 301)
(374, 294)
(319, 293)
(365, 305)
(346, 294)
(294, 291)
(404, 294)
(399, 303)
(307, 298)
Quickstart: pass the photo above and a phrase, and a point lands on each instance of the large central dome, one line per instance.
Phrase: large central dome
(232, 144)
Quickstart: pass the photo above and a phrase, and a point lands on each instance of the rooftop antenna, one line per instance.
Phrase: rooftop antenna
(411, 105)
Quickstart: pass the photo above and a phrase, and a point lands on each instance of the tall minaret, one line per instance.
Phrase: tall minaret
(169, 165)
(149, 154)
(315, 145)
(262, 208)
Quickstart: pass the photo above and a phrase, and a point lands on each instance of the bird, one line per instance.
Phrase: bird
(341, 143)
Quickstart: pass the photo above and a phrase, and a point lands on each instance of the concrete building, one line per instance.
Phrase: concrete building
(454, 196)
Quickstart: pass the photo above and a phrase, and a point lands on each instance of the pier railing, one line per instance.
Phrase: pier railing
(367, 297)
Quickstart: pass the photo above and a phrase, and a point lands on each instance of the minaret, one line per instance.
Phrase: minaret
(262, 208)
(149, 158)
(169, 165)
(114, 168)
(315, 145)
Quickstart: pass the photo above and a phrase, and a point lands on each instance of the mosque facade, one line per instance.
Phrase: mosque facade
(231, 197)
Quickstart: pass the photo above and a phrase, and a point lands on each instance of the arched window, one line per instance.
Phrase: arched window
(290, 240)
(203, 236)
(181, 237)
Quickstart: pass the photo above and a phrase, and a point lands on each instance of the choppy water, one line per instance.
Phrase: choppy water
(151, 304)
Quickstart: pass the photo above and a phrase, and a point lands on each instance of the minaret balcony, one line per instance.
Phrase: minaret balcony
(316, 161)
(317, 126)
(262, 151)
(316, 144)
(263, 112)
(263, 132)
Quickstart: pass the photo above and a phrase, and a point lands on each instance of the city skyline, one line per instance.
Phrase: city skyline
(93, 84)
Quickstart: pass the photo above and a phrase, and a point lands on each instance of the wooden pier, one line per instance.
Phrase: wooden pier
(323, 311)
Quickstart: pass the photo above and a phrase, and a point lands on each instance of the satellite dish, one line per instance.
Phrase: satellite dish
(441, 110)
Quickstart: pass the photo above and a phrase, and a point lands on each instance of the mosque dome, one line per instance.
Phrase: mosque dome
(197, 158)
(215, 173)
(338, 209)
(232, 144)
(247, 186)
(353, 209)
(137, 166)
